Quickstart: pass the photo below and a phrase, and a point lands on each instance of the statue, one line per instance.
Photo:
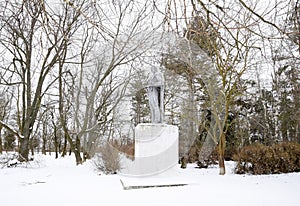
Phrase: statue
(155, 92)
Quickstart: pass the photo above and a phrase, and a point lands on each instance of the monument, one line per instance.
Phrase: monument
(156, 143)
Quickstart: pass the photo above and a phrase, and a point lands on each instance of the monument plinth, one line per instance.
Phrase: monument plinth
(156, 144)
(156, 150)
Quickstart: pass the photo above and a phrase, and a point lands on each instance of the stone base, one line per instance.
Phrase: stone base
(156, 150)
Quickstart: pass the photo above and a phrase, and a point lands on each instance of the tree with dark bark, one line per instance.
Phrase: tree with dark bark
(226, 36)
(3, 114)
(34, 37)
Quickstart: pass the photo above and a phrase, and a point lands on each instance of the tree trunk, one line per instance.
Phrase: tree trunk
(55, 142)
(222, 146)
(64, 151)
(24, 149)
(73, 146)
(24, 143)
(1, 149)
(31, 146)
(44, 146)
(77, 151)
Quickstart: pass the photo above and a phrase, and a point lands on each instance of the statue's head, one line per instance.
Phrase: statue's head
(155, 70)
(156, 77)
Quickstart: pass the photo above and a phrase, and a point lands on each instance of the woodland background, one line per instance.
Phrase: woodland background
(72, 76)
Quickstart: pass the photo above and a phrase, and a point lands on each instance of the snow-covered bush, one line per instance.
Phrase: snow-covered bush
(108, 160)
(274, 159)
(11, 159)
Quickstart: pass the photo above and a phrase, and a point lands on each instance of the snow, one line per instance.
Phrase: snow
(47, 181)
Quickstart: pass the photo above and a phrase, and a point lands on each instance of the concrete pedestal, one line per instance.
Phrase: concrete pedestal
(156, 150)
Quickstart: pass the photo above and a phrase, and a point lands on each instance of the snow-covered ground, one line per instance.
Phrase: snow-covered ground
(60, 182)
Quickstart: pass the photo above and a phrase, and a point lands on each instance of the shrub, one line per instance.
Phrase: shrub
(274, 159)
(126, 148)
(108, 160)
(10, 160)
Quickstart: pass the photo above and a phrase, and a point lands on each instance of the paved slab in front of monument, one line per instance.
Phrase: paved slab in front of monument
(170, 178)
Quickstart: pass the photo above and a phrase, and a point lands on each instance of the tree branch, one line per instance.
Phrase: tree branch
(12, 130)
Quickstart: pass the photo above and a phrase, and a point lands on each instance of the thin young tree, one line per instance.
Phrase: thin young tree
(3, 114)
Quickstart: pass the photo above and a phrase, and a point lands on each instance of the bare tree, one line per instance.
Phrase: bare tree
(3, 113)
(34, 38)
(90, 44)
(107, 52)
(228, 37)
